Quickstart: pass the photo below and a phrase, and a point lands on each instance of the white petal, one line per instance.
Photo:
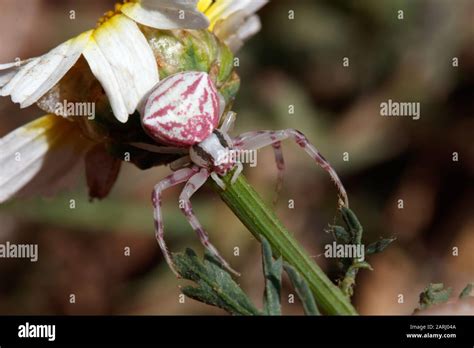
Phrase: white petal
(9, 70)
(38, 157)
(105, 74)
(32, 80)
(236, 29)
(251, 26)
(121, 59)
(19, 75)
(166, 14)
(221, 9)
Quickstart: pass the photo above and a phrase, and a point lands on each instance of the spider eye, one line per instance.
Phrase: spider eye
(182, 110)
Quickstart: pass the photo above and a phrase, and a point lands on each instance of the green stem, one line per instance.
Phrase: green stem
(261, 221)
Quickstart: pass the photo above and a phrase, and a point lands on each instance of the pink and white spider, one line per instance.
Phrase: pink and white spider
(183, 112)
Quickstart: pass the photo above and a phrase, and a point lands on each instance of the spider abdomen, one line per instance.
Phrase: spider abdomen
(182, 110)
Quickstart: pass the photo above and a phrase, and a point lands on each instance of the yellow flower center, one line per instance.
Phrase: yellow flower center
(109, 14)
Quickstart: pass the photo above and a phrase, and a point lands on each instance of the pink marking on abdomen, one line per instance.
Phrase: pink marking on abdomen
(192, 88)
(186, 109)
(163, 111)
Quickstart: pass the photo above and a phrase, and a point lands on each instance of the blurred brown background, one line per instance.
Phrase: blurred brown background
(290, 62)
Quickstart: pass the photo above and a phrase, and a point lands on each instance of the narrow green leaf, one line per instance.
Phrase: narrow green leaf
(466, 291)
(341, 235)
(203, 294)
(347, 284)
(215, 286)
(379, 246)
(302, 290)
(353, 223)
(272, 271)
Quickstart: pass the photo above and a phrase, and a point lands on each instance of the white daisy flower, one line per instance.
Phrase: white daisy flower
(42, 153)
(117, 52)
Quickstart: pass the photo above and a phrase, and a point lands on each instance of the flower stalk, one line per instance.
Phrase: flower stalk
(260, 220)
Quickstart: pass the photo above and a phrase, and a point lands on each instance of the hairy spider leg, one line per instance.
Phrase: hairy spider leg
(176, 178)
(280, 163)
(194, 183)
(257, 140)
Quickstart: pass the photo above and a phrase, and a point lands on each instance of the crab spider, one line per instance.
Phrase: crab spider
(183, 113)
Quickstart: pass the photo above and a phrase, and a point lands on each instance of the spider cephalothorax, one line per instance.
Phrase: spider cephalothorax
(183, 112)
(211, 153)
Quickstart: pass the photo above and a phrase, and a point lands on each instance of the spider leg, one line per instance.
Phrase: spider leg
(176, 178)
(196, 181)
(218, 180)
(180, 163)
(280, 163)
(257, 140)
(237, 172)
(228, 122)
